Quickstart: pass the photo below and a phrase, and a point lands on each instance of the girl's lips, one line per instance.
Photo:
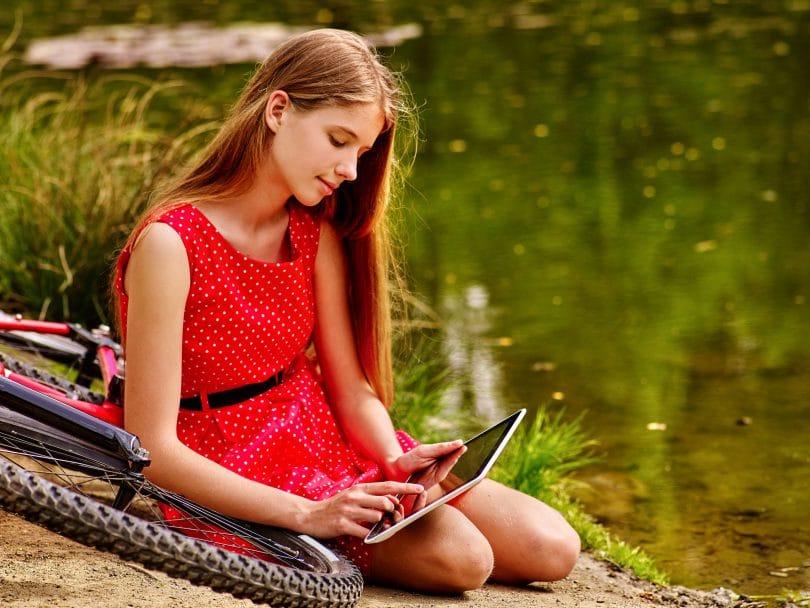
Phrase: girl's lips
(327, 187)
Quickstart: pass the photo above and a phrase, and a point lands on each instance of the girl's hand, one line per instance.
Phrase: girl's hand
(351, 511)
(427, 465)
(432, 460)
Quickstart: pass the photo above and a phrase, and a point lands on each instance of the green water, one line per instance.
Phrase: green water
(611, 213)
(624, 225)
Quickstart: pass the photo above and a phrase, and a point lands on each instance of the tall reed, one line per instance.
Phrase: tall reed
(80, 157)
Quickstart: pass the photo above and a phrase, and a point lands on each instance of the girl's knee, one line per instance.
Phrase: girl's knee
(541, 554)
(466, 563)
(560, 548)
(568, 550)
(444, 553)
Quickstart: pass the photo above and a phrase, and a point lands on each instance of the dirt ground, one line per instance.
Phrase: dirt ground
(40, 569)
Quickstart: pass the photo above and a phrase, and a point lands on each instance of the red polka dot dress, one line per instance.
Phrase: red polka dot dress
(244, 321)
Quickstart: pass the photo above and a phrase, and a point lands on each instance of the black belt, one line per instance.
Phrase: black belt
(232, 396)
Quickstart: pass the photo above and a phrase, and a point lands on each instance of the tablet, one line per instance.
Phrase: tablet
(482, 452)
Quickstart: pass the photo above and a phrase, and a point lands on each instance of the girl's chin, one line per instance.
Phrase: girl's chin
(309, 201)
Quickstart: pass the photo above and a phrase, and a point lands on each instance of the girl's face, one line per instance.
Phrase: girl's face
(314, 151)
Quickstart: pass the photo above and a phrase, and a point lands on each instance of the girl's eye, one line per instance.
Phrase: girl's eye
(336, 142)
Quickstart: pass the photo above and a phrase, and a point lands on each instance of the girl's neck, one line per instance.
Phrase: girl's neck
(264, 202)
(254, 222)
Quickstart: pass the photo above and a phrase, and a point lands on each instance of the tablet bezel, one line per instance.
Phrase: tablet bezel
(379, 533)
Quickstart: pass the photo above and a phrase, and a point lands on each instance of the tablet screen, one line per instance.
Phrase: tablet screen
(472, 467)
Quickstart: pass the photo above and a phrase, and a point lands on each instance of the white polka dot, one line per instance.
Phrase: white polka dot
(245, 320)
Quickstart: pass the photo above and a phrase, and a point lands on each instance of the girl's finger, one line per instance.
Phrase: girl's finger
(392, 488)
(395, 503)
(385, 504)
(447, 463)
(420, 502)
(434, 450)
(355, 529)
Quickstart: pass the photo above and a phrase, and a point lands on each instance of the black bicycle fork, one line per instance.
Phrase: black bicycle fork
(117, 445)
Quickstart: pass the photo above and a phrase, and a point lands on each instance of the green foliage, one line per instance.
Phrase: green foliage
(618, 552)
(542, 453)
(81, 155)
(420, 378)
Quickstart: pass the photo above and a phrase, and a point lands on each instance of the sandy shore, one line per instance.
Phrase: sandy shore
(40, 569)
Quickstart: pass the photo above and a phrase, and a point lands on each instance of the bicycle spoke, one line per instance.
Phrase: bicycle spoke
(84, 480)
(188, 518)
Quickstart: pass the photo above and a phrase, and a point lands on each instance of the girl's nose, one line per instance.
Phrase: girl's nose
(347, 169)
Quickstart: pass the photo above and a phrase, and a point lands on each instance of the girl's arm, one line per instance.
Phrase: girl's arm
(157, 282)
(362, 416)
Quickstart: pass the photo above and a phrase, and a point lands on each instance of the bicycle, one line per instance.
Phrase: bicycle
(66, 463)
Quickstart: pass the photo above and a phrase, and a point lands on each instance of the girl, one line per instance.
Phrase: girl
(273, 240)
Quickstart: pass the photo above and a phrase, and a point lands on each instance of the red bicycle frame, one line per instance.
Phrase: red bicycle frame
(100, 348)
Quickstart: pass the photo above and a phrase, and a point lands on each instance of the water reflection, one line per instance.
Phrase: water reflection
(476, 373)
(635, 206)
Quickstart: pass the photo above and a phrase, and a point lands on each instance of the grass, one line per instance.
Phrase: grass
(81, 155)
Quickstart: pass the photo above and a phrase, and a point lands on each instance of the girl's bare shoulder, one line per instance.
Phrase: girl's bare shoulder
(157, 239)
(158, 258)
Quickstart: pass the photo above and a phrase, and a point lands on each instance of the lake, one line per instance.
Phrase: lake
(610, 211)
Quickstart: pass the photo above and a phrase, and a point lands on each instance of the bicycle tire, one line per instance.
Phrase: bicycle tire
(49, 346)
(69, 388)
(33, 456)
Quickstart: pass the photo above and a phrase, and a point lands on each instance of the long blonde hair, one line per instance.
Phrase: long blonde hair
(320, 68)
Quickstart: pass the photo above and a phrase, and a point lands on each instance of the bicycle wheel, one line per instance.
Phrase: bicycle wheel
(68, 485)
